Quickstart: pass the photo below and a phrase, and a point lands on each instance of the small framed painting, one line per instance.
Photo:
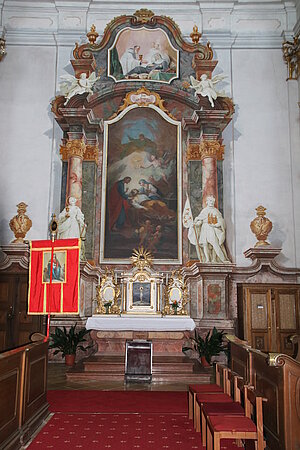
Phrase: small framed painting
(141, 296)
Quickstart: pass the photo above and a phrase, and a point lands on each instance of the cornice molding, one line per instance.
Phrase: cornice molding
(226, 24)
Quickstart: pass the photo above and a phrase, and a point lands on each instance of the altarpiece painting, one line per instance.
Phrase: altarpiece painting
(141, 185)
(143, 54)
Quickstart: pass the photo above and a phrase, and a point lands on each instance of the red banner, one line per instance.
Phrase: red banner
(54, 274)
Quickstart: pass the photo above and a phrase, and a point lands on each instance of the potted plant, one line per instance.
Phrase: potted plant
(211, 345)
(67, 342)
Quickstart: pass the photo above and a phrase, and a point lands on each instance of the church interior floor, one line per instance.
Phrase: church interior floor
(57, 380)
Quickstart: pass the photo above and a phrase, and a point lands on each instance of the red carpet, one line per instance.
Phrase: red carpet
(119, 420)
(118, 401)
(119, 432)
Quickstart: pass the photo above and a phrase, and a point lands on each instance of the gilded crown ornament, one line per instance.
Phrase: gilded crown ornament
(144, 15)
(261, 226)
(20, 224)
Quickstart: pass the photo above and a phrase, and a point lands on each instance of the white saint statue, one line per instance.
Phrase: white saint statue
(73, 86)
(207, 232)
(71, 222)
(206, 87)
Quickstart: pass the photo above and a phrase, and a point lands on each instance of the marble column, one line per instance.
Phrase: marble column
(74, 150)
(210, 152)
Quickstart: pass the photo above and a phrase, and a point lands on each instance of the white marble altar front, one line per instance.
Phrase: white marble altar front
(138, 323)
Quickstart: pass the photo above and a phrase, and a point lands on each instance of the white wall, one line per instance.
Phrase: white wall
(261, 163)
(27, 78)
(262, 148)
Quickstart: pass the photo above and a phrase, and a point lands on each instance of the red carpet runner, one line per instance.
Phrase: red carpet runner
(118, 401)
(124, 420)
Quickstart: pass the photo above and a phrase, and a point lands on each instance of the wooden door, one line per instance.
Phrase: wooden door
(258, 319)
(6, 312)
(15, 325)
(270, 316)
(287, 318)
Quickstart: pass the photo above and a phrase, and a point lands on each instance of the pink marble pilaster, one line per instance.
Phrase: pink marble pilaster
(75, 150)
(209, 180)
(74, 186)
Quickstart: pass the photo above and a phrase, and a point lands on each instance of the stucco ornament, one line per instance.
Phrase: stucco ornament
(206, 87)
(74, 86)
(20, 224)
(261, 226)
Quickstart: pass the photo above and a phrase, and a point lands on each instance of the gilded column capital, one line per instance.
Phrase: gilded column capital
(2, 48)
(76, 148)
(91, 153)
(206, 149)
(212, 149)
(291, 55)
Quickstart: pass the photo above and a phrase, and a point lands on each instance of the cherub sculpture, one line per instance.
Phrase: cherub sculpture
(206, 87)
(73, 86)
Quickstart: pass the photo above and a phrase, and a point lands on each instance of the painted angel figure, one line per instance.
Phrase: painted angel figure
(206, 87)
(73, 86)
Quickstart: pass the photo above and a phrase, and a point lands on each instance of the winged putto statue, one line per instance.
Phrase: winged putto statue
(73, 86)
(206, 87)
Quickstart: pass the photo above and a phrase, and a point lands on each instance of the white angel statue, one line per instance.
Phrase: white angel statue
(206, 87)
(73, 86)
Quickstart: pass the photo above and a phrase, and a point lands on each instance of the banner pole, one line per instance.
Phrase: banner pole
(48, 326)
(53, 229)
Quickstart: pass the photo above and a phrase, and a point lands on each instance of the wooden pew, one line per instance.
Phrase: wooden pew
(238, 427)
(277, 378)
(23, 390)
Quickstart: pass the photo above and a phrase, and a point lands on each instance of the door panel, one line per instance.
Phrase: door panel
(6, 313)
(259, 318)
(287, 318)
(15, 325)
(271, 316)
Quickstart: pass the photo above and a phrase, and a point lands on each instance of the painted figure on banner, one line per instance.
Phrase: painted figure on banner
(141, 185)
(71, 222)
(207, 232)
(58, 267)
(143, 54)
(206, 87)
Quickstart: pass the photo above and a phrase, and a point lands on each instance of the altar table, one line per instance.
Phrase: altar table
(138, 323)
(166, 333)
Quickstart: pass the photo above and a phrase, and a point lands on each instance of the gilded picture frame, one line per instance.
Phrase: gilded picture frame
(143, 54)
(142, 144)
(141, 296)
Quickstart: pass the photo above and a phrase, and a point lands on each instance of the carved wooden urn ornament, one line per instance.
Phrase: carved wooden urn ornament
(261, 226)
(20, 224)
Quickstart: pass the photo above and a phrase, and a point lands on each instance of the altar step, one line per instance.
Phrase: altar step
(175, 369)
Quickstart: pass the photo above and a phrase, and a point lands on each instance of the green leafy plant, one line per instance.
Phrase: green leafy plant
(67, 342)
(175, 306)
(211, 345)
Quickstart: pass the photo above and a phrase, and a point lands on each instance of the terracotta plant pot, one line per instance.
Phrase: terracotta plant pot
(70, 360)
(204, 362)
